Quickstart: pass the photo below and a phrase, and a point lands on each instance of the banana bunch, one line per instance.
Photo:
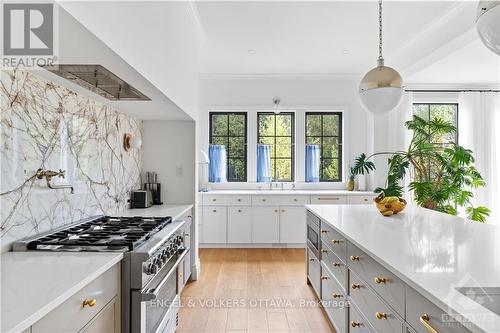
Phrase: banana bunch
(390, 205)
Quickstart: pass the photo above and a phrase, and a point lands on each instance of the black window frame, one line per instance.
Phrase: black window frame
(322, 136)
(292, 145)
(211, 136)
(429, 114)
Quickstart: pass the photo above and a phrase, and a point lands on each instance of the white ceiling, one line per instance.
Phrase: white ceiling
(338, 37)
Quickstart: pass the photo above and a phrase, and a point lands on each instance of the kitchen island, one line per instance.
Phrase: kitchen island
(419, 271)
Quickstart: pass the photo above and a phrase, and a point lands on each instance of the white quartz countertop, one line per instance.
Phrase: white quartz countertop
(175, 211)
(35, 283)
(289, 192)
(432, 252)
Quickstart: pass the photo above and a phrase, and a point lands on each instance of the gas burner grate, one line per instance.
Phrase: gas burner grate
(104, 232)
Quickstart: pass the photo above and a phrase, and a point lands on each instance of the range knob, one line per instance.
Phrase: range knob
(150, 269)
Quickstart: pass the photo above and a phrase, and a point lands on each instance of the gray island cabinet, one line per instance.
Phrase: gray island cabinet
(420, 271)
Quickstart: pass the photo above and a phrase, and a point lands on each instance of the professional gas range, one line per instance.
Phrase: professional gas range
(155, 266)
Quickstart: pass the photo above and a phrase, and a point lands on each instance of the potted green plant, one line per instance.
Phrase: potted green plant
(442, 174)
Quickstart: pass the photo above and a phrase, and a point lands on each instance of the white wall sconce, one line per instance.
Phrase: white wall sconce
(131, 142)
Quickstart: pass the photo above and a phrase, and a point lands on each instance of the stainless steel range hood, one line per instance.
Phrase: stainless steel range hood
(99, 80)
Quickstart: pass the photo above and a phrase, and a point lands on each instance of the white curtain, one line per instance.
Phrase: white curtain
(479, 130)
(391, 134)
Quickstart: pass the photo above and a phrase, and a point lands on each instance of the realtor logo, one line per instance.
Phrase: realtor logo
(28, 29)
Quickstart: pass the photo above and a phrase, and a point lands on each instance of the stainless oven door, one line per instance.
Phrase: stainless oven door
(154, 309)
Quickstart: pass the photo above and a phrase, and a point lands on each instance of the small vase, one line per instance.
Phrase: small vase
(350, 185)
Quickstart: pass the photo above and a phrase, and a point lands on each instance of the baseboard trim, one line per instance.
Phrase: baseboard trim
(251, 246)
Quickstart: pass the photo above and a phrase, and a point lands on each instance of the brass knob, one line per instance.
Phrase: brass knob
(186, 234)
(214, 199)
(379, 280)
(324, 250)
(90, 302)
(215, 211)
(336, 264)
(337, 296)
(355, 286)
(263, 199)
(354, 258)
(239, 210)
(336, 241)
(355, 324)
(324, 277)
(312, 259)
(380, 315)
(282, 210)
(295, 199)
(239, 200)
(275, 210)
(324, 231)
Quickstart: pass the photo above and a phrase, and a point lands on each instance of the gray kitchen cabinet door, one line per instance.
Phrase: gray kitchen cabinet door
(239, 225)
(292, 225)
(266, 225)
(106, 321)
(214, 224)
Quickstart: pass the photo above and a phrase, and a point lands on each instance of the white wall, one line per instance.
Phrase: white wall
(169, 149)
(317, 92)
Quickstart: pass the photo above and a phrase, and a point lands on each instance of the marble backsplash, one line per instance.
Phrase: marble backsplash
(44, 125)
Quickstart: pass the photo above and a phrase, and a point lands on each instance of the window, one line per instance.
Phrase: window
(230, 129)
(277, 130)
(325, 129)
(447, 112)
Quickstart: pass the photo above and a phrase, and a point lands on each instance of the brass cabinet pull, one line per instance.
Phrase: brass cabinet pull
(324, 250)
(282, 210)
(354, 258)
(239, 210)
(275, 210)
(263, 199)
(215, 211)
(186, 234)
(380, 280)
(336, 241)
(337, 296)
(424, 320)
(336, 264)
(214, 199)
(329, 198)
(89, 302)
(380, 315)
(312, 259)
(355, 324)
(295, 199)
(324, 277)
(239, 200)
(324, 231)
(355, 286)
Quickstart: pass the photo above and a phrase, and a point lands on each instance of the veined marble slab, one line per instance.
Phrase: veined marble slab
(44, 125)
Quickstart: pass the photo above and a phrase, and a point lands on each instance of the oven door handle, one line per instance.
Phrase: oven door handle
(151, 293)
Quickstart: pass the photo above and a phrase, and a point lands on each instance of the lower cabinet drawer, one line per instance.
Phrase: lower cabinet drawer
(358, 323)
(335, 265)
(334, 300)
(387, 285)
(314, 272)
(328, 199)
(380, 316)
(72, 315)
(420, 312)
(334, 240)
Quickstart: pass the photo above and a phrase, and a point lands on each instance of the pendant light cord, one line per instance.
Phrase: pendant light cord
(380, 30)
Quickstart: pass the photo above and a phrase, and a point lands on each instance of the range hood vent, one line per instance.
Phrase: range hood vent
(99, 80)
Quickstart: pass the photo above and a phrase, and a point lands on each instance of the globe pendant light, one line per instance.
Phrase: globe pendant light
(488, 24)
(381, 89)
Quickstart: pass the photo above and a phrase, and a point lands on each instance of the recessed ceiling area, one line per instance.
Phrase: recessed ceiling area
(307, 37)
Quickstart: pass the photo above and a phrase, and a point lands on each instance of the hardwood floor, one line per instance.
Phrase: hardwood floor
(251, 290)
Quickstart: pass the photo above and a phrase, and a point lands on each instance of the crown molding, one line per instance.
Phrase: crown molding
(281, 76)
